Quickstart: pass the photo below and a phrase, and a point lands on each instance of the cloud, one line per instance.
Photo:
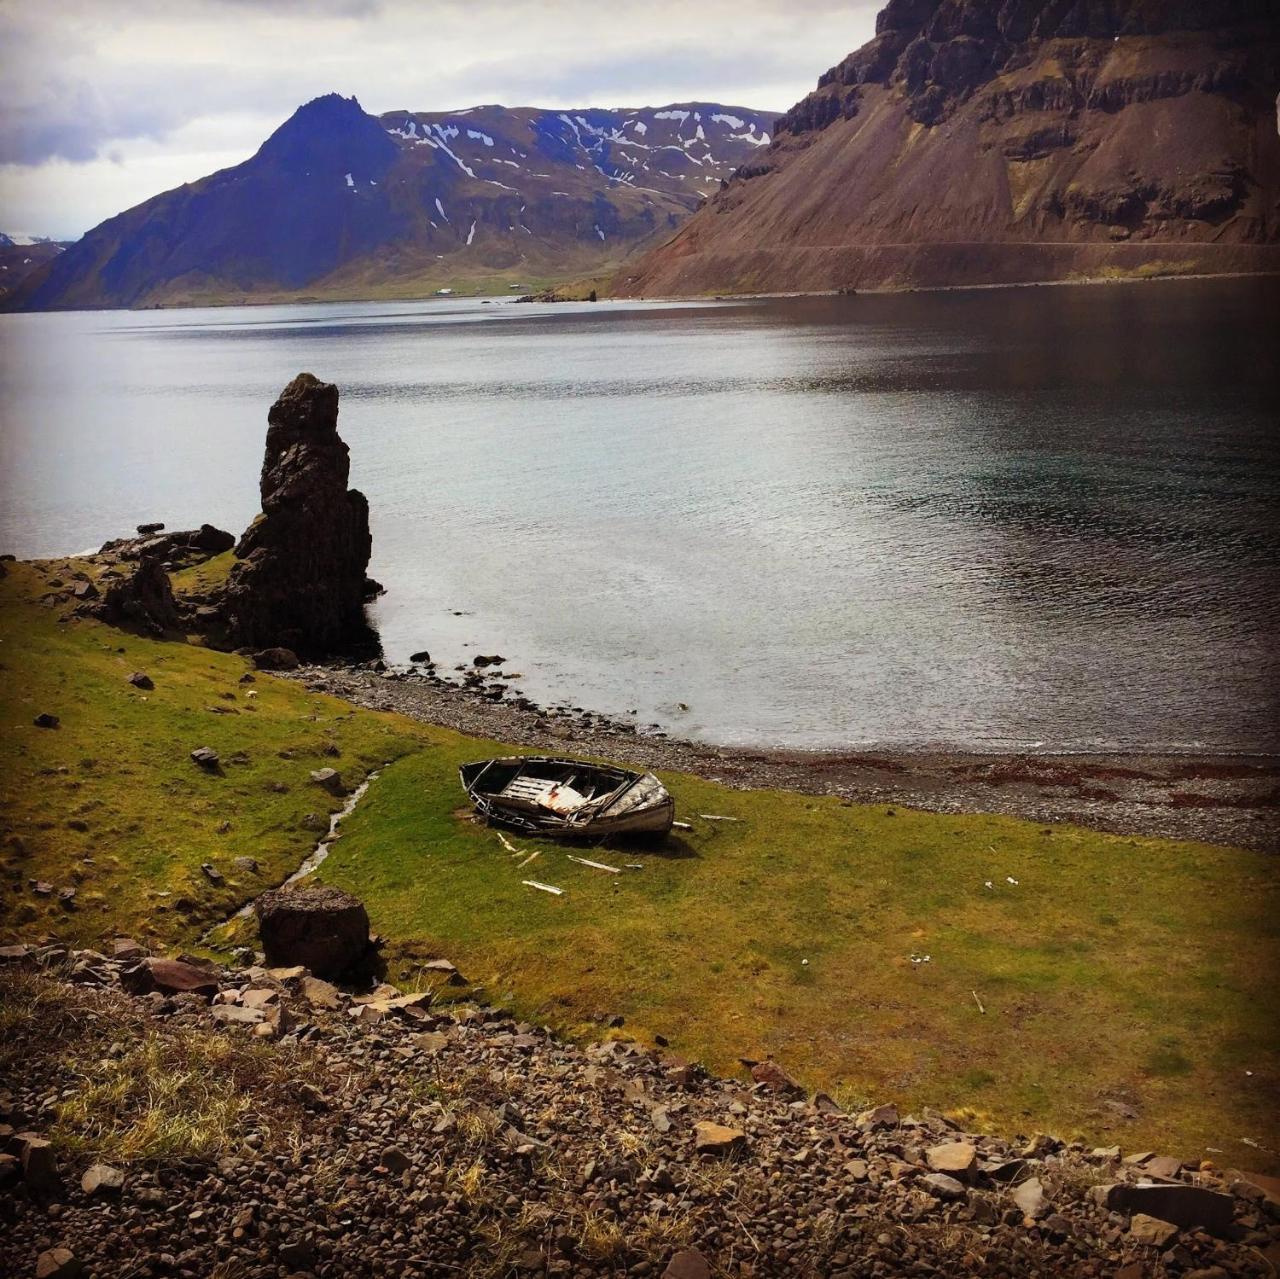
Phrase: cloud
(159, 88)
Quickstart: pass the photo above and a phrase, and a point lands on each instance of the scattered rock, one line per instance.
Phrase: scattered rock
(958, 1158)
(318, 926)
(320, 993)
(716, 1139)
(170, 977)
(1151, 1231)
(207, 758)
(211, 873)
(944, 1187)
(1190, 1207)
(769, 1075)
(58, 1263)
(1030, 1198)
(689, 1263)
(103, 1180)
(140, 679)
(45, 720)
(147, 530)
(421, 656)
(39, 1163)
(246, 865)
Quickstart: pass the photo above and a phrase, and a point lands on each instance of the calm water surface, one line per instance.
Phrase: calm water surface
(1038, 516)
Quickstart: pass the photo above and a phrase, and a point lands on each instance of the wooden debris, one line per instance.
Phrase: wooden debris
(544, 888)
(977, 1001)
(681, 825)
(715, 817)
(527, 860)
(582, 861)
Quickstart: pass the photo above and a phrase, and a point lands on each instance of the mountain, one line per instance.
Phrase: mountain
(21, 256)
(980, 141)
(340, 203)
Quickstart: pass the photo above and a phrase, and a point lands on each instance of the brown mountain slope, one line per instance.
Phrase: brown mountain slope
(976, 142)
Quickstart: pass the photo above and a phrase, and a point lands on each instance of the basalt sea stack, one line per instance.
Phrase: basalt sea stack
(299, 576)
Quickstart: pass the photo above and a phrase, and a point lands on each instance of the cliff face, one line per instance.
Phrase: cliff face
(341, 203)
(978, 142)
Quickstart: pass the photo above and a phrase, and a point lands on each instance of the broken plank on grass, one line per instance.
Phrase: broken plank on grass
(544, 888)
(582, 861)
(715, 817)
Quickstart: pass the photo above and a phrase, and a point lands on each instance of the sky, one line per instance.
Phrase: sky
(104, 103)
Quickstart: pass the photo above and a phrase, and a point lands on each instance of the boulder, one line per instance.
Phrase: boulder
(944, 1187)
(1190, 1207)
(46, 720)
(956, 1158)
(716, 1139)
(275, 659)
(206, 757)
(170, 977)
(329, 779)
(1030, 1198)
(688, 1263)
(318, 926)
(102, 1180)
(39, 1163)
(140, 679)
(58, 1263)
(878, 1117)
(320, 993)
(770, 1076)
(1151, 1231)
(150, 530)
(299, 577)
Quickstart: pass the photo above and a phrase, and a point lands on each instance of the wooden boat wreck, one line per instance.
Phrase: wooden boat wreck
(546, 796)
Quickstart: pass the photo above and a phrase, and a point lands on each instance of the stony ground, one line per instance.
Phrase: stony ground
(1217, 800)
(163, 1119)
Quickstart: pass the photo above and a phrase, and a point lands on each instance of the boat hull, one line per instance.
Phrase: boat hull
(564, 797)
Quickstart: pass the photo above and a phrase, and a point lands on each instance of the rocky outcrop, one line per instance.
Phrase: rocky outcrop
(318, 926)
(299, 578)
(976, 142)
(139, 599)
(179, 549)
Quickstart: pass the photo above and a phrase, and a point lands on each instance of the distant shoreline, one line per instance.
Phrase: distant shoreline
(1088, 282)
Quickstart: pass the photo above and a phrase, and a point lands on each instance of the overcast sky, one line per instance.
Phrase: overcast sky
(104, 103)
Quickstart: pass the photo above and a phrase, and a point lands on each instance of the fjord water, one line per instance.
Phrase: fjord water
(993, 519)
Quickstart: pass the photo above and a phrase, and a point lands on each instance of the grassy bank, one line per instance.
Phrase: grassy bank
(1116, 977)
(110, 803)
(1121, 988)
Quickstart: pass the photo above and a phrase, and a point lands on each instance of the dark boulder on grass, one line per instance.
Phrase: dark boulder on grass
(316, 926)
(299, 577)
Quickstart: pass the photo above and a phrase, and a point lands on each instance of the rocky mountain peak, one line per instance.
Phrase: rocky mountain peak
(329, 132)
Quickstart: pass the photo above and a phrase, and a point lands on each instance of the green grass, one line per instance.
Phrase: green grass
(1165, 1009)
(200, 578)
(1116, 971)
(110, 801)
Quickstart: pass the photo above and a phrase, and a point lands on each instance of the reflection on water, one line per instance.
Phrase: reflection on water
(985, 518)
